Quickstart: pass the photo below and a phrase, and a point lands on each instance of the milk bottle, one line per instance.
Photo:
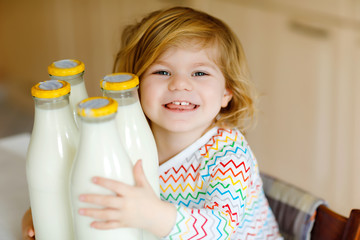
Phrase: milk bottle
(100, 153)
(134, 129)
(50, 155)
(71, 71)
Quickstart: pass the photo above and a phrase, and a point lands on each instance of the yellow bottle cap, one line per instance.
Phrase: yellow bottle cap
(66, 67)
(50, 89)
(119, 81)
(97, 107)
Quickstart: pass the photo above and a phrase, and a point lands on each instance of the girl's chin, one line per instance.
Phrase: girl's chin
(184, 127)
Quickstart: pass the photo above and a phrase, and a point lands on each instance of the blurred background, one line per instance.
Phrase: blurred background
(304, 57)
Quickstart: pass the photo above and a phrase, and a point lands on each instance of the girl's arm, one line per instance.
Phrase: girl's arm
(132, 206)
(140, 208)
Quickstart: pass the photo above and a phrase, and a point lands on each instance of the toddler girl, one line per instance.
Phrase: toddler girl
(196, 93)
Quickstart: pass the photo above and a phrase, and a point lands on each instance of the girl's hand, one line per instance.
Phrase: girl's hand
(27, 226)
(132, 206)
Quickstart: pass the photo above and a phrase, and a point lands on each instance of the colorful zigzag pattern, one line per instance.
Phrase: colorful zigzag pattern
(218, 191)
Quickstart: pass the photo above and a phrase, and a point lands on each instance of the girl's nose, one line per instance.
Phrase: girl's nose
(180, 82)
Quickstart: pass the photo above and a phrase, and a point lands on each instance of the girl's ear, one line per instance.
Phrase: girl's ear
(226, 98)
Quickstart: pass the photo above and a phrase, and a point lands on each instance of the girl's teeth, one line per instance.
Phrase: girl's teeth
(181, 103)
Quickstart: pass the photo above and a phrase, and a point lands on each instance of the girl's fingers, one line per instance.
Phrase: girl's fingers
(113, 185)
(109, 201)
(31, 233)
(101, 214)
(139, 175)
(106, 225)
(27, 226)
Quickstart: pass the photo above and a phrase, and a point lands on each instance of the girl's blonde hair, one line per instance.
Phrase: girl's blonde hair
(145, 41)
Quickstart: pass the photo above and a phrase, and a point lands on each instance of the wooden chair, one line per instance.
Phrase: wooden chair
(302, 215)
(330, 225)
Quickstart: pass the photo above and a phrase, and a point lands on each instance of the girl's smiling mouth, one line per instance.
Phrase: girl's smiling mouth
(181, 106)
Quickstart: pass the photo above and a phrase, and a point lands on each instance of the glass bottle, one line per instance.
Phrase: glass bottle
(132, 124)
(133, 127)
(71, 71)
(50, 155)
(100, 153)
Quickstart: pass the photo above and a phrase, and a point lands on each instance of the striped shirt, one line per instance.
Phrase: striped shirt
(216, 186)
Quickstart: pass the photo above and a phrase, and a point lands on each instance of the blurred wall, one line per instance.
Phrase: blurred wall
(35, 33)
(304, 57)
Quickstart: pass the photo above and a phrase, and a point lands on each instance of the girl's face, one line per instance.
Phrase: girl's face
(183, 90)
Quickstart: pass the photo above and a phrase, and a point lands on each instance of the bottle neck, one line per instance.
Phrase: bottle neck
(51, 103)
(95, 120)
(50, 113)
(72, 79)
(99, 129)
(123, 97)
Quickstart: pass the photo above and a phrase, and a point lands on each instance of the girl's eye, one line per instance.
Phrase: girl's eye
(199, 74)
(162, 73)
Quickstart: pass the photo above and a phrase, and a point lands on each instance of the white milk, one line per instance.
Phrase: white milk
(78, 93)
(100, 153)
(49, 158)
(133, 127)
(132, 124)
(139, 142)
(71, 71)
